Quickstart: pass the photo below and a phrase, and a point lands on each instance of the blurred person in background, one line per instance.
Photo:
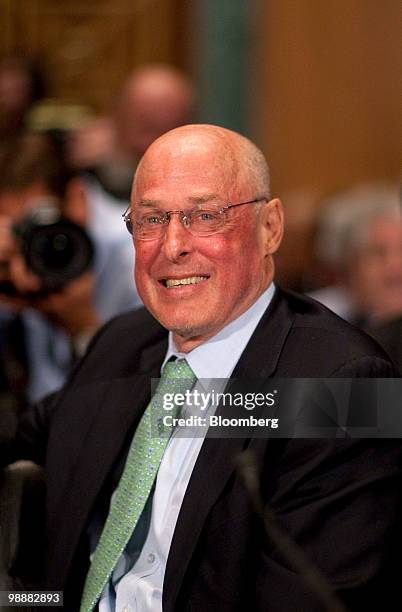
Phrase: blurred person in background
(153, 100)
(21, 86)
(359, 240)
(389, 334)
(50, 328)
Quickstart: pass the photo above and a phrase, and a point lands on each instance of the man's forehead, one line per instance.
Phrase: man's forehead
(186, 151)
(182, 145)
(209, 157)
(194, 171)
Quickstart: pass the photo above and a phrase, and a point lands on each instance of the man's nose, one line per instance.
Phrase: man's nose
(177, 242)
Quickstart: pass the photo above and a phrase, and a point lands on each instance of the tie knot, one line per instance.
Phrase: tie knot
(178, 369)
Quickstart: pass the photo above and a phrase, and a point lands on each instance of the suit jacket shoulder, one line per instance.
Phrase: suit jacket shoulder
(126, 345)
(389, 335)
(296, 336)
(299, 337)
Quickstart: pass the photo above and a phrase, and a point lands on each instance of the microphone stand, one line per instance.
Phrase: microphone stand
(290, 550)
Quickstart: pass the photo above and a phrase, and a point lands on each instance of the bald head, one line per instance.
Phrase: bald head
(240, 161)
(154, 100)
(204, 230)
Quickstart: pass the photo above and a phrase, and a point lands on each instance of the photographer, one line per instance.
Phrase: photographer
(45, 324)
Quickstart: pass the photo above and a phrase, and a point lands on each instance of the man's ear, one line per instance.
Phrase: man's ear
(272, 218)
(76, 206)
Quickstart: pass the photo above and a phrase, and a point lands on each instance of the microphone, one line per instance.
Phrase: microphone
(247, 470)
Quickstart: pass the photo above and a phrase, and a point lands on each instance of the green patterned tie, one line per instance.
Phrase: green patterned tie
(142, 464)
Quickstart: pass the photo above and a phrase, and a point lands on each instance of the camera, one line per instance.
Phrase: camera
(55, 249)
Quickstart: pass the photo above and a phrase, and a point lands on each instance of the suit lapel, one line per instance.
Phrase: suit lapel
(261, 356)
(116, 410)
(259, 360)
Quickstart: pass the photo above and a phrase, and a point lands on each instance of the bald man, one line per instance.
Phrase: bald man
(205, 231)
(154, 99)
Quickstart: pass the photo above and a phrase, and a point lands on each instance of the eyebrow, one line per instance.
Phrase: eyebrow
(204, 198)
(195, 200)
(146, 203)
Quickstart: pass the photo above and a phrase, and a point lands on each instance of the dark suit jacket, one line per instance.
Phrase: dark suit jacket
(389, 335)
(338, 498)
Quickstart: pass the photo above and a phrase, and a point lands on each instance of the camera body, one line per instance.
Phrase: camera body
(55, 249)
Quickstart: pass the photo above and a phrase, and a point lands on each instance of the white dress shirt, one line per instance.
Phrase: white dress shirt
(140, 588)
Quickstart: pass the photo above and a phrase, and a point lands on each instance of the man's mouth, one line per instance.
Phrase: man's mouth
(178, 282)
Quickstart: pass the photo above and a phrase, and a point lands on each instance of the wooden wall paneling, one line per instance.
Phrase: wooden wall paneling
(326, 104)
(329, 91)
(87, 46)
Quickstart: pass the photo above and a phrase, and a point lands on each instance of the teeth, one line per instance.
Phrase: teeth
(192, 280)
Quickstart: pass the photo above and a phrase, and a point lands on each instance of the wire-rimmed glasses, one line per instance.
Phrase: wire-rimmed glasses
(152, 224)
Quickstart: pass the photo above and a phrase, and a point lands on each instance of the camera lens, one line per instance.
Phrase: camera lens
(58, 253)
(56, 249)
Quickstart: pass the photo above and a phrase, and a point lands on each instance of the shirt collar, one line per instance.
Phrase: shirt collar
(218, 357)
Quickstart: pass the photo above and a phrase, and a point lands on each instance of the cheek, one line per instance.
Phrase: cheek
(236, 262)
(223, 254)
(145, 254)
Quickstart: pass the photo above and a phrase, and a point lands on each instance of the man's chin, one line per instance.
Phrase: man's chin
(186, 323)
(186, 329)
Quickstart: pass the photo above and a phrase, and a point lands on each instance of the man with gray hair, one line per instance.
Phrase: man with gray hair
(148, 522)
(360, 238)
